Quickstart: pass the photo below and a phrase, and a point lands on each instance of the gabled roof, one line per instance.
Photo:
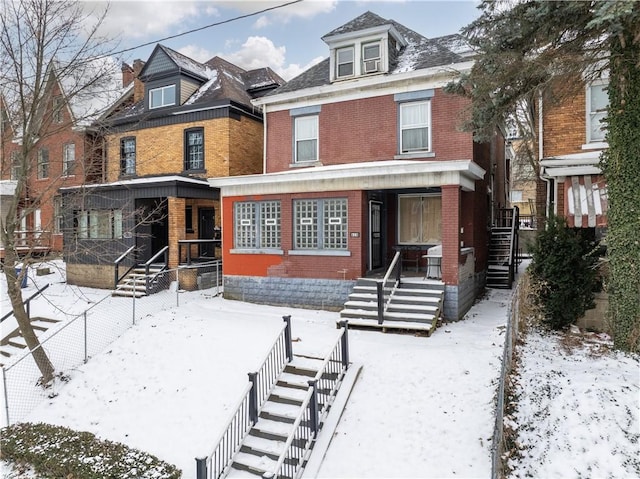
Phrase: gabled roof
(220, 81)
(417, 52)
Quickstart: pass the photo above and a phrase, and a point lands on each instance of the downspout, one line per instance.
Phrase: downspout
(264, 139)
(547, 180)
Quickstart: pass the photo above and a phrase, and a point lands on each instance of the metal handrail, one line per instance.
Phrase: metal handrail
(26, 303)
(147, 275)
(117, 262)
(388, 284)
(246, 414)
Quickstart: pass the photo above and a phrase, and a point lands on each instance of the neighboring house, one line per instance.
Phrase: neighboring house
(66, 154)
(182, 122)
(572, 139)
(364, 158)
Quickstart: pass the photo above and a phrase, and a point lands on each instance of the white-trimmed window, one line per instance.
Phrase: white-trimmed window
(415, 126)
(58, 216)
(194, 149)
(320, 224)
(68, 158)
(420, 219)
(98, 224)
(43, 163)
(257, 224)
(16, 165)
(306, 138)
(57, 109)
(597, 104)
(370, 57)
(164, 96)
(128, 156)
(344, 62)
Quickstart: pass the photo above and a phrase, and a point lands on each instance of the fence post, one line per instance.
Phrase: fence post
(253, 398)
(135, 280)
(344, 343)
(6, 395)
(380, 292)
(178, 286)
(85, 336)
(287, 338)
(201, 468)
(313, 407)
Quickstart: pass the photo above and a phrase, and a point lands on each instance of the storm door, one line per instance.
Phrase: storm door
(206, 230)
(375, 235)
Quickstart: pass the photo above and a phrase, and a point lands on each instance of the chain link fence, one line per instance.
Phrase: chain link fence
(76, 340)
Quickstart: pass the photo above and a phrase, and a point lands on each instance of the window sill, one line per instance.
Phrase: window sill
(413, 156)
(194, 172)
(319, 252)
(276, 251)
(596, 145)
(305, 164)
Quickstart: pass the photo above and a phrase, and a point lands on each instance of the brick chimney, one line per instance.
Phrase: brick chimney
(127, 75)
(138, 85)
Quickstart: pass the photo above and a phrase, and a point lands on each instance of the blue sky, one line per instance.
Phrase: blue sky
(287, 39)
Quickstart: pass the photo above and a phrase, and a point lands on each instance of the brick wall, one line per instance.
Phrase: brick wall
(450, 234)
(367, 130)
(564, 123)
(232, 147)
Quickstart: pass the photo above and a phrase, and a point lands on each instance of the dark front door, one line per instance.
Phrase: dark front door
(206, 230)
(375, 235)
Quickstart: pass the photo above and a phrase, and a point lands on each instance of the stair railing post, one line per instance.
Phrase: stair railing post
(344, 344)
(253, 398)
(313, 408)
(201, 468)
(380, 292)
(135, 279)
(287, 338)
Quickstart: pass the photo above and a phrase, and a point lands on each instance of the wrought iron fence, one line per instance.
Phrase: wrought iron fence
(74, 341)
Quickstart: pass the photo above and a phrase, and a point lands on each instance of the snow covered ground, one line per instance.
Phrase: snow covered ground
(422, 407)
(577, 412)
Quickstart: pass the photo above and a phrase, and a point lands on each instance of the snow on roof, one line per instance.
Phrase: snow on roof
(184, 62)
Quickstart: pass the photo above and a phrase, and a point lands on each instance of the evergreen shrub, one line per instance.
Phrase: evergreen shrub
(564, 264)
(59, 452)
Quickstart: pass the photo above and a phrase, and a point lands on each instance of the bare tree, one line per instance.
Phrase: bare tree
(55, 73)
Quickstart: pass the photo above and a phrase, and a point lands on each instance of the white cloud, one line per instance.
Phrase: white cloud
(131, 19)
(306, 9)
(262, 22)
(196, 52)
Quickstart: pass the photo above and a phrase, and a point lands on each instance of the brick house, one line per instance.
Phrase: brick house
(571, 141)
(66, 154)
(364, 159)
(182, 121)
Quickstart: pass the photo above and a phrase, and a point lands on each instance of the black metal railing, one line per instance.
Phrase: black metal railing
(117, 277)
(322, 390)
(510, 218)
(150, 278)
(216, 464)
(388, 284)
(26, 303)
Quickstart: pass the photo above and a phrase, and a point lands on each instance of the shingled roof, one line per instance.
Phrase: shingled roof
(221, 81)
(419, 52)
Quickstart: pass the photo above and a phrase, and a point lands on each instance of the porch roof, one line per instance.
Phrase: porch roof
(585, 163)
(374, 175)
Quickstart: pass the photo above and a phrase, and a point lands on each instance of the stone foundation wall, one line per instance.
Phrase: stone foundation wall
(323, 294)
(91, 275)
(459, 299)
(595, 319)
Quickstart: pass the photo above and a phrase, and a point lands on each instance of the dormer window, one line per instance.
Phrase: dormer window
(164, 96)
(344, 62)
(371, 57)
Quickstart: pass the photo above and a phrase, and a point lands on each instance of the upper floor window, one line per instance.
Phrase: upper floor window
(164, 96)
(371, 57)
(43, 163)
(320, 224)
(306, 138)
(57, 109)
(597, 103)
(68, 158)
(128, 156)
(16, 165)
(344, 62)
(194, 149)
(415, 126)
(257, 224)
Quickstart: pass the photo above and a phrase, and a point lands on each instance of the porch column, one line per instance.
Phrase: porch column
(176, 228)
(450, 233)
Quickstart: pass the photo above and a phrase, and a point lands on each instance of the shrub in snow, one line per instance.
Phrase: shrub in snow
(55, 451)
(564, 266)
